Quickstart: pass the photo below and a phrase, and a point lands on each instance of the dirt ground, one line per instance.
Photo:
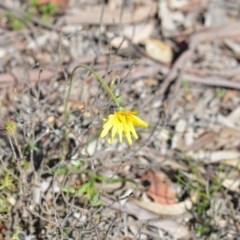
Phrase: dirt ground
(174, 62)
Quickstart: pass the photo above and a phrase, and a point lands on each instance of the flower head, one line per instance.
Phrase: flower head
(122, 122)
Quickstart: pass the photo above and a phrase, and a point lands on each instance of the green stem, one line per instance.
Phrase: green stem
(99, 79)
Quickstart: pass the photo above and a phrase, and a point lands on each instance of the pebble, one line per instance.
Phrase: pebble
(189, 136)
(181, 125)
(82, 218)
(234, 116)
(2, 52)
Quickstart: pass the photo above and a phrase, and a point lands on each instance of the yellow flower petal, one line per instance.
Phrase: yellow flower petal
(120, 131)
(132, 130)
(122, 123)
(129, 139)
(139, 122)
(106, 127)
(115, 127)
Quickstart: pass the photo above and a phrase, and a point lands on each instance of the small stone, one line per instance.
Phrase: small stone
(181, 126)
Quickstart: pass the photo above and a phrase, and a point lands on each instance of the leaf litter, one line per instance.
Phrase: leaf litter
(54, 186)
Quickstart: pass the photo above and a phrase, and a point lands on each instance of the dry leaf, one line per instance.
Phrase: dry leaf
(136, 33)
(74, 104)
(7, 80)
(171, 210)
(159, 189)
(229, 95)
(93, 15)
(232, 184)
(158, 50)
(169, 19)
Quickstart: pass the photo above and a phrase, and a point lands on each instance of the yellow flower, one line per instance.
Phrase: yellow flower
(122, 122)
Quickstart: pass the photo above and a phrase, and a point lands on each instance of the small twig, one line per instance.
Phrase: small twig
(12, 147)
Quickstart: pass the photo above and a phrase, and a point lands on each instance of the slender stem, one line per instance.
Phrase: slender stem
(99, 79)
